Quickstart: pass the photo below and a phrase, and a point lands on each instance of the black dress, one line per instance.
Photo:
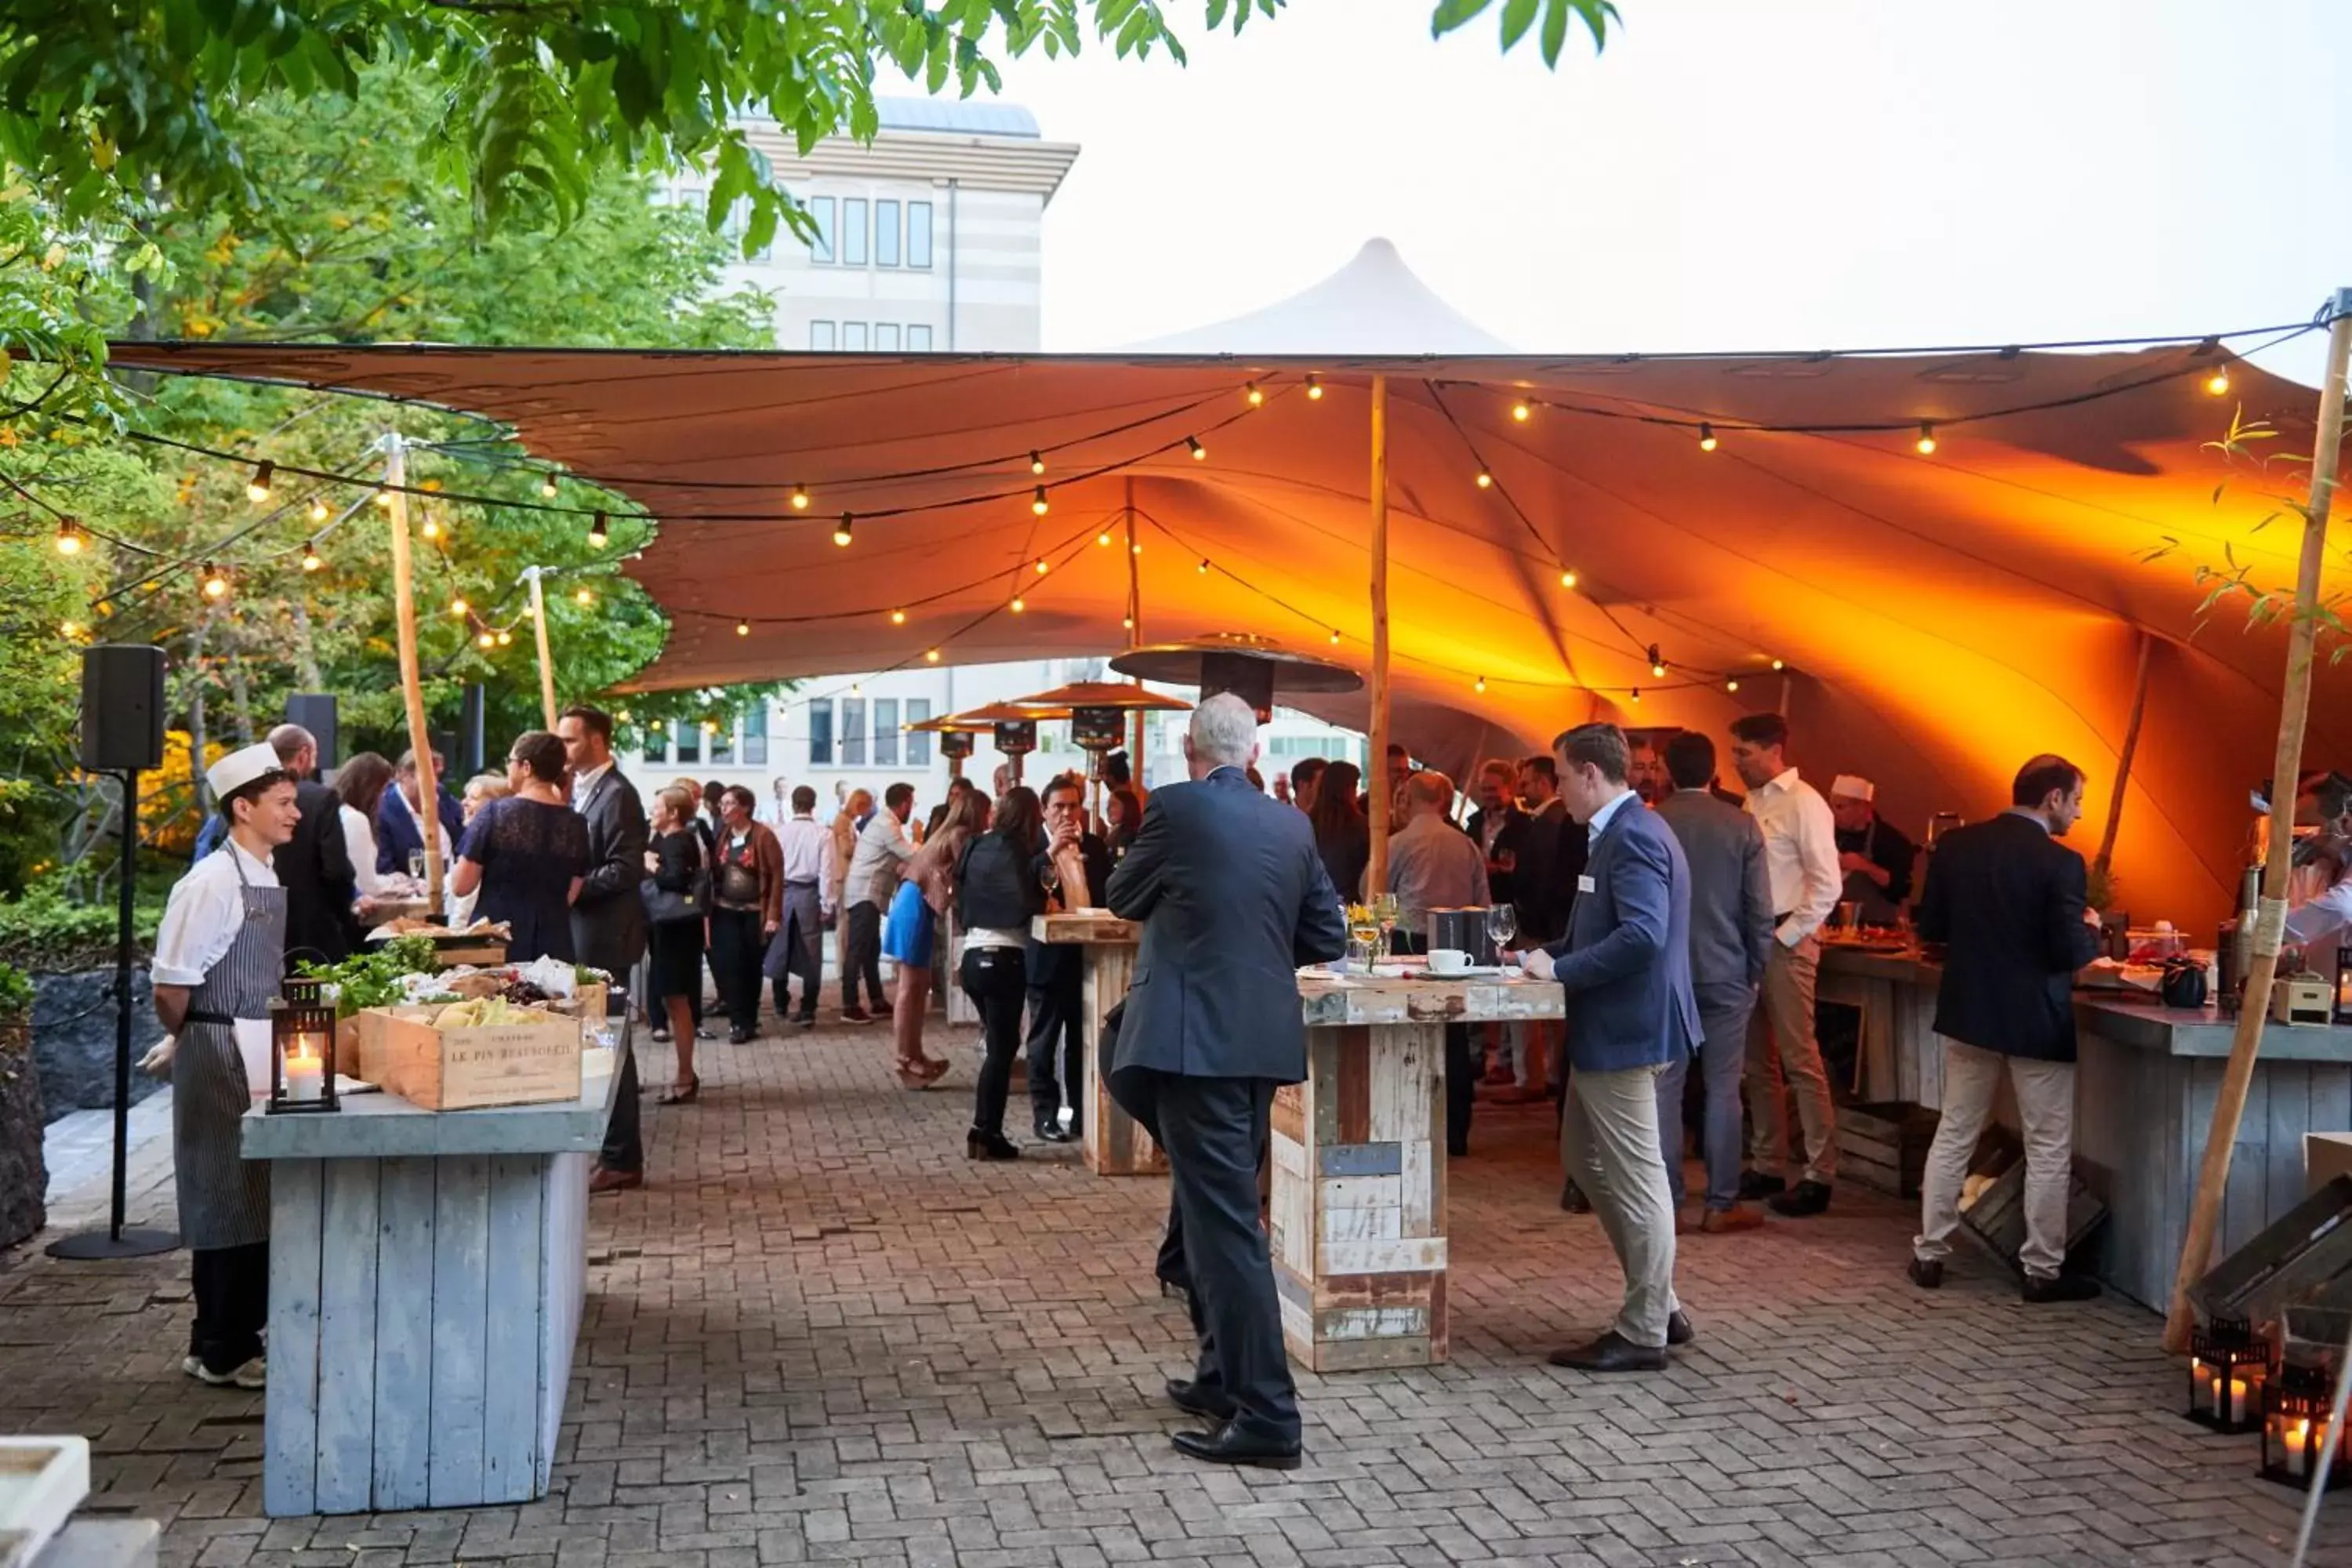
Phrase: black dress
(674, 948)
(529, 852)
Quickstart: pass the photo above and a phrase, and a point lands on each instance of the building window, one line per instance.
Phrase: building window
(918, 337)
(886, 233)
(820, 335)
(918, 234)
(886, 732)
(885, 335)
(821, 248)
(688, 740)
(755, 745)
(919, 743)
(820, 720)
(853, 334)
(722, 746)
(853, 733)
(853, 231)
(657, 745)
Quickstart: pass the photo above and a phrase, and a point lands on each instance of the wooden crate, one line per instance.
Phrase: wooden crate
(460, 1070)
(1883, 1145)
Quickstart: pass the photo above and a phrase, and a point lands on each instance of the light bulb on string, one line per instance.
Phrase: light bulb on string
(598, 531)
(1103, 538)
(1041, 566)
(1637, 694)
(1657, 662)
(1707, 441)
(1925, 445)
(931, 655)
(1732, 684)
(1204, 566)
(432, 526)
(1485, 479)
(1136, 548)
(1019, 604)
(799, 498)
(585, 596)
(1036, 463)
(547, 486)
(1200, 453)
(1256, 394)
(486, 640)
(1335, 637)
(1520, 411)
(1479, 685)
(1780, 664)
(317, 508)
(72, 631)
(257, 487)
(458, 607)
(1567, 578)
(72, 537)
(505, 636)
(897, 618)
(1038, 503)
(1128, 622)
(312, 560)
(384, 498)
(844, 530)
(216, 581)
(742, 628)
(2217, 384)
(1314, 387)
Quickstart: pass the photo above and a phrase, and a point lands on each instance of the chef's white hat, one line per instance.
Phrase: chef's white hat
(241, 767)
(1851, 786)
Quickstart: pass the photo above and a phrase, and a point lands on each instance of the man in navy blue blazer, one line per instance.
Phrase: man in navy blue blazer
(1233, 897)
(1625, 967)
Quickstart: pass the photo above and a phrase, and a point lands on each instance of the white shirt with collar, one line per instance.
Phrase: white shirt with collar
(882, 853)
(204, 914)
(1607, 814)
(1801, 856)
(584, 784)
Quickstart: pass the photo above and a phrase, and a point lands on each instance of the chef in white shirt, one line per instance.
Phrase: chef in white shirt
(218, 958)
(1800, 863)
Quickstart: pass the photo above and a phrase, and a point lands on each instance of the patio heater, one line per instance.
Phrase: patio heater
(1252, 667)
(955, 738)
(1098, 711)
(1014, 728)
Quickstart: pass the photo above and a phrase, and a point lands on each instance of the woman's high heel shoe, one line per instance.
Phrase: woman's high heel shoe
(979, 1146)
(933, 1068)
(912, 1076)
(685, 1096)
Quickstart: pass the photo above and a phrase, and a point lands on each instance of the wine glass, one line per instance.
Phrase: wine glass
(1502, 925)
(1384, 913)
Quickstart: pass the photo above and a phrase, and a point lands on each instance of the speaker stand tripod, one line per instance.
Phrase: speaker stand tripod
(119, 1240)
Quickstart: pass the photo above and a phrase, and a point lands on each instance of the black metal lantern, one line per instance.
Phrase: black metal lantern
(302, 1056)
(2295, 1429)
(2343, 1009)
(303, 989)
(2228, 1371)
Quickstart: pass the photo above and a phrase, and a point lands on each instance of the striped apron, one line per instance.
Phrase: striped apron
(224, 1197)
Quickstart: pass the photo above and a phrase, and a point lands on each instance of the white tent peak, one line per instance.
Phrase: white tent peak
(1373, 305)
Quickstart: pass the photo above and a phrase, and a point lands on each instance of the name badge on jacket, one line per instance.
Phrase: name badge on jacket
(1584, 885)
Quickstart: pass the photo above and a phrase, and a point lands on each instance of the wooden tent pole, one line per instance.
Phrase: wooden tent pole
(2105, 860)
(1376, 771)
(2295, 712)
(1134, 637)
(412, 685)
(546, 663)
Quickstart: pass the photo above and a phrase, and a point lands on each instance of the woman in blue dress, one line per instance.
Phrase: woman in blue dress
(527, 854)
(911, 933)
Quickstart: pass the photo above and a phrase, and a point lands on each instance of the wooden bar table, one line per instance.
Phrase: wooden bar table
(427, 1272)
(1114, 1143)
(1357, 1210)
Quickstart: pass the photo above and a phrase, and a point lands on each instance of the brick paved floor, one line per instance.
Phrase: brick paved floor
(821, 1335)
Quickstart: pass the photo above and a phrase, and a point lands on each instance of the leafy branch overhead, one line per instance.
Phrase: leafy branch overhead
(2234, 579)
(108, 105)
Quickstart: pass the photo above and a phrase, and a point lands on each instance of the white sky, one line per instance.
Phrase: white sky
(1728, 174)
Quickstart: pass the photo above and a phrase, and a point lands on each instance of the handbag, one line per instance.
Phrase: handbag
(665, 905)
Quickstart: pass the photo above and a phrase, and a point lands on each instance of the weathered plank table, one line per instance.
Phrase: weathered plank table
(1114, 1143)
(426, 1277)
(1357, 1210)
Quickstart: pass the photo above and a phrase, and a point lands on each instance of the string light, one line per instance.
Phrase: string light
(1335, 637)
(1657, 662)
(931, 655)
(1256, 394)
(1778, 664)
(1204, 566)
(384, 498)
(710, 726)
(598, 532)
(317, 508)
(1041, 566)
(1567, 579)
(1925, 445)
(486, 640)
(72, 537)
(216, 581)
(1485, 480)
(585, 596)
(505, 636)
(458, 607)
(1480, 685)
(71, 630)
(1036, 463)
(312, 560)
(1103, 538)
(1019, 604)
(1200, 453)
(1038, 503)
(897, 618)
(1520, 411)
(1637, 694)
(1136, 548)
(1128, 622)
(547, 487)
(844, 530)
(432, 528)
(2217, 384)
(1732, 684)
(257, 487)
(799, 498)
(742, 628)
(1314, 387)
(1707, 441)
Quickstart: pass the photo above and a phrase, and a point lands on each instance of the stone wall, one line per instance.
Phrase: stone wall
(24, 1177)
(73, 1019)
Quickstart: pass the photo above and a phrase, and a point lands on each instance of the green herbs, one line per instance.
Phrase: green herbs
(371, 978)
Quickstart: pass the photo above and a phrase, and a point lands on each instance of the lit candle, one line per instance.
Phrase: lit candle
(2298, 1441)
(2237, 1399)
(306, 1070)
(2200, 1385)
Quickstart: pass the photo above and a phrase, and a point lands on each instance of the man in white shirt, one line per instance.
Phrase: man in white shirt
(809, 881)
(882, 853)
(1800, 863)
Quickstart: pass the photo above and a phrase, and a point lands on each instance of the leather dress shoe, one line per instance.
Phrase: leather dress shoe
(1573, 1199)
(1228, 1445)
(2061, 1288)
(608, 1180)
(1928, 1273)
(1610, 1352)
(1802, 1202)
(1194, 1400)
(1678, 1329)
(1756, 1184)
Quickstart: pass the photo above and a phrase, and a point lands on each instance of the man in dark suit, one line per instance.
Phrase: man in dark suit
(314, 867)
(1076, 865)
(1232, 897)
(1731, 941)
(608, 919)
(2007, 900)
(1625, 967)
(399, 830)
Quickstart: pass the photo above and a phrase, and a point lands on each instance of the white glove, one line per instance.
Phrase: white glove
(1538, 963)
(157, 1062)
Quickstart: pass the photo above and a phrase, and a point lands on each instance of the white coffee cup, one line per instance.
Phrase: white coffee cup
(1447, 961)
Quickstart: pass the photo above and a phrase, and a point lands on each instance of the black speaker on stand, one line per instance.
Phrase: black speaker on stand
(121, 734)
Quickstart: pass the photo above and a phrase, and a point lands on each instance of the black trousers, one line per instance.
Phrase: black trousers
(996, 979)
(1057, 1060)
(735, 952)
(1213, 1129)
(861, 955)
(231, 1285)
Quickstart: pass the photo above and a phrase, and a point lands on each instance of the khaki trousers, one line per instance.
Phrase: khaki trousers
(2045, 1107)
(1608, 1142)
(1783, 1055)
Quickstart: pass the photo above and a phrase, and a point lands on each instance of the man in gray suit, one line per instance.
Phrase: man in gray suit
(1730, 943)
(1233, 897)
(608, 918)
(1625, 967)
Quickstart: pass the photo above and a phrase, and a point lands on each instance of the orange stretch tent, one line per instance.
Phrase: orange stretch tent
(1940, 618)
